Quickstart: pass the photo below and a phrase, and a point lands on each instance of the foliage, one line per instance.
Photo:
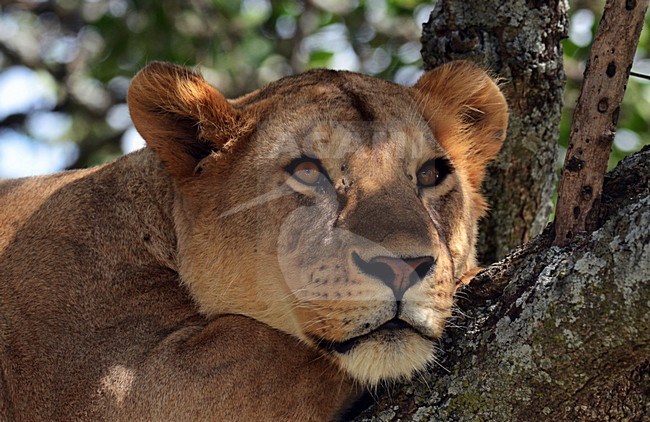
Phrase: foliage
(75, 58)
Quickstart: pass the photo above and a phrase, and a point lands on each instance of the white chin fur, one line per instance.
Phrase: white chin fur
(374, 360)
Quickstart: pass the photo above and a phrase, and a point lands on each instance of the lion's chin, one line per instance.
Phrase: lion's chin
(387, 357)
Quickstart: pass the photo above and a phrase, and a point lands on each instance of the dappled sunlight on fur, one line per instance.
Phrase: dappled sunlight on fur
(118, 382)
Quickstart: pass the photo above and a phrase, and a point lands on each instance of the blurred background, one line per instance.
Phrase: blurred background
(65, 65)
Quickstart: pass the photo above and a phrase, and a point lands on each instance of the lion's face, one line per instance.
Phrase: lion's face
(338, 208)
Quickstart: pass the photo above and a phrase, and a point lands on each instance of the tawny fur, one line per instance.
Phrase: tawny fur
(198, 280)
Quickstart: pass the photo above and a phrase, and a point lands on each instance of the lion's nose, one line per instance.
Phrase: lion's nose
(397, 273)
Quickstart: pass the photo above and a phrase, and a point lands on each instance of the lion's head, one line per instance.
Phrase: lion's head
(333, 206)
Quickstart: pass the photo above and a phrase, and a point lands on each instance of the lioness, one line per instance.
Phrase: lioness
(263, 258)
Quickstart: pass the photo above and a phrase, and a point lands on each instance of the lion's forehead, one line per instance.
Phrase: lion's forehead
(369, 141)
(371, 109)
(341, 119)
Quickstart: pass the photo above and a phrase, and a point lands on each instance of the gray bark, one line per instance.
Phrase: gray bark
(551, 333)
(520, 42)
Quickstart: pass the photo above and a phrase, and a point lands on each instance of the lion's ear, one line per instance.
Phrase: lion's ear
(182, 118)
(467, 113)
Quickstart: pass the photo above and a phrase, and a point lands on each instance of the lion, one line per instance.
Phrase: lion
(263, 258)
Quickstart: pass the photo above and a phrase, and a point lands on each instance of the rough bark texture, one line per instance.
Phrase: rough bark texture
(595, 118)
(551, 333)
(520, 42)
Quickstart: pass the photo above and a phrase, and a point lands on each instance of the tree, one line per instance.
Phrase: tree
(548, 332)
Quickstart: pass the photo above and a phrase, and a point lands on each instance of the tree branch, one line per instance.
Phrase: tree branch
(596, 116)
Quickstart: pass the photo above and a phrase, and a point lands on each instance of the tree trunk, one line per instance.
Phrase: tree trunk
(520, 42)
(551, 333)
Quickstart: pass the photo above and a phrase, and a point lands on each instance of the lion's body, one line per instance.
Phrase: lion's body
(95, 324)
(118, 284)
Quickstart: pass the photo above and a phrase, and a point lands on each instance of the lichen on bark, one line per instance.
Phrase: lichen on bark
(550, 333)
(520, 42)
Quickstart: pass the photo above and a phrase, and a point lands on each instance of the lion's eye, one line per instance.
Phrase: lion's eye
(428, 175)
(307, 172)
(433, 172)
